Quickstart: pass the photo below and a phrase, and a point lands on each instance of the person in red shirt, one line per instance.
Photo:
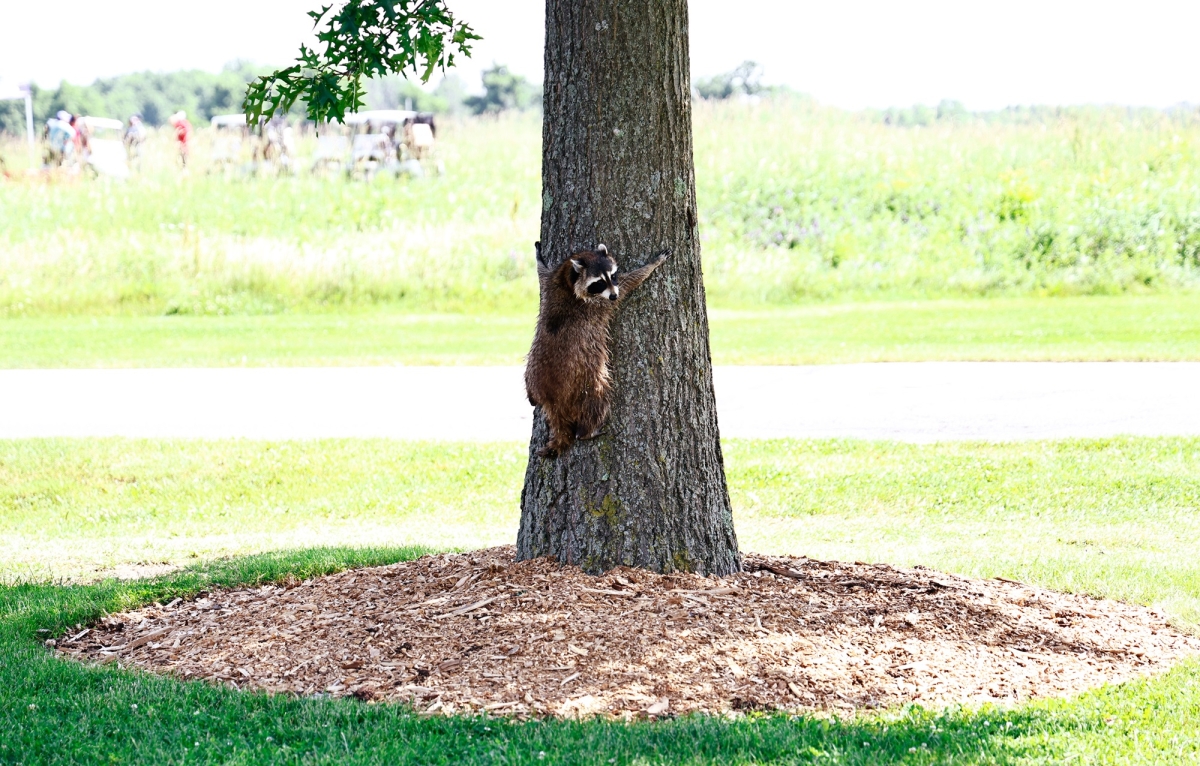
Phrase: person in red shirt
(183, 134)
(80, 139)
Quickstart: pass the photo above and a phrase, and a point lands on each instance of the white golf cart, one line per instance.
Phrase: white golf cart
(105, 155)
(231, 132)
(373, 144)
(332, 150)
(398, 140)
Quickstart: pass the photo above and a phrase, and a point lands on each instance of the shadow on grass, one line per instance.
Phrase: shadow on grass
(57, 711)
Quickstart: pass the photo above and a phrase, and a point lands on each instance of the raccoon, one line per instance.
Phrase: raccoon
(566, 373)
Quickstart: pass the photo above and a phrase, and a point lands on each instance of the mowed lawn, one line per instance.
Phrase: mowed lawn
(1112, 517)
(1162, 327)
(1115, 518)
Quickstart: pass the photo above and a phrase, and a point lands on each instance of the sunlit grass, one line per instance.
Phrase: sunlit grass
(1116, 518)
(307, 340)
(237, 243)
(1112, 517)
(1132, 328)
(797, 203)
(75, 505)
(1100, 328)
(805, 202)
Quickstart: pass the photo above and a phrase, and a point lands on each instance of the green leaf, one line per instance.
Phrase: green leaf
(362, 38)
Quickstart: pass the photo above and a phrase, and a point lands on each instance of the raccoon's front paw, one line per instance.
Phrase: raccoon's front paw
(548, 453)
(662, 255)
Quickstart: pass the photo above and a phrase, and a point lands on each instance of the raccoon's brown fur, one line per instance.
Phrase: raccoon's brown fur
(566, 373)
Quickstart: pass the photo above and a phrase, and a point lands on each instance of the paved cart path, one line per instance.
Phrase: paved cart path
(918, 402)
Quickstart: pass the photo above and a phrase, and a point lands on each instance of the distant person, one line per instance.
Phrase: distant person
(183, 134)
(60, 140)
(81, 136)
(135, 136)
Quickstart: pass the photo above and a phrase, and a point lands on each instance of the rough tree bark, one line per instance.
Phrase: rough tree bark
(617, 168)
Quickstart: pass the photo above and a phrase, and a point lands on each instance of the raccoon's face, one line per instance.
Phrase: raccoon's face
(595, 275)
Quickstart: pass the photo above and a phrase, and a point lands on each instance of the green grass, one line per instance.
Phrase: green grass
(67, 507)
(797, 204)
(216, 244)
(280, 340)
(1163, 327)
(1115, 518)
(59, 712)
(1160, 327)
(802, 202)
(1112, 517)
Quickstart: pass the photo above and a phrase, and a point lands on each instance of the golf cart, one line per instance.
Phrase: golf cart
(398, 140)
(275, 146)
(231, 132)
(332, 150)
(372, 144)
(105, 155)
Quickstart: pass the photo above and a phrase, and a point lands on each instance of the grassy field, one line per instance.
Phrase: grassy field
(1133, 328)
(1110, 517)
(803, 202)
(797, 203)
(827, 237)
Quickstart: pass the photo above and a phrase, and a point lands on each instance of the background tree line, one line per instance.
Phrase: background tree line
(745, 81)
(158, 95)
(154, 95)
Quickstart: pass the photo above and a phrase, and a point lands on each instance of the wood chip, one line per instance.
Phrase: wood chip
(140, 641)
(735, 668)
(500, 705)
(802, 640)
(471, 608)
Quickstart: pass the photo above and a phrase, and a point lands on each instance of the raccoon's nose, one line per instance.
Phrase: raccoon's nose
(612, 296)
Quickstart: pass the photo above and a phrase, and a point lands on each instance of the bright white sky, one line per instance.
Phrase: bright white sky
(852, 53)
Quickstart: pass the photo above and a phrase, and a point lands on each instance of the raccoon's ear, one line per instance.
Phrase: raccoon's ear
(602, 249)
(578, 265)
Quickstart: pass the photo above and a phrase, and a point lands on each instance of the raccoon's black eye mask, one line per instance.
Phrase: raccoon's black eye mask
(597, 287)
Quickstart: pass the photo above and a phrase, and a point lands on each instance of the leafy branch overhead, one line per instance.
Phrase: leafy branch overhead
(360, 39)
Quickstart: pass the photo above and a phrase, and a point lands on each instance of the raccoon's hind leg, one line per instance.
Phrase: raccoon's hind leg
(592, 417)
(562, 435)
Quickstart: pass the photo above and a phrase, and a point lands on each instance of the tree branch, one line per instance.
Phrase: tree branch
(362, 38)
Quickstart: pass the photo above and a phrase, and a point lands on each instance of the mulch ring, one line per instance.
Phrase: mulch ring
(477, 631)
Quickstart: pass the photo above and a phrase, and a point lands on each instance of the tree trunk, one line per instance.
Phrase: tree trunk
(617, 169)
